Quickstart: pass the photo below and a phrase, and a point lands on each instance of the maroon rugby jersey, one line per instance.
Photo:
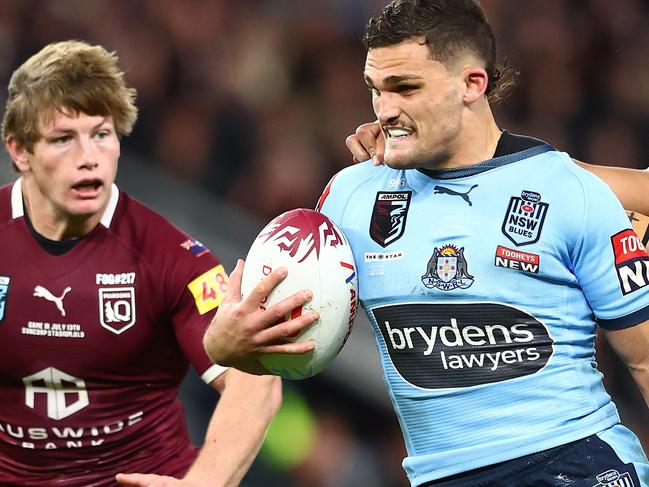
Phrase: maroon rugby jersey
(95, 343)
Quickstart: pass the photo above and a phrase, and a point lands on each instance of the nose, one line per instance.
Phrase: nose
(88, 156)
(386, 108)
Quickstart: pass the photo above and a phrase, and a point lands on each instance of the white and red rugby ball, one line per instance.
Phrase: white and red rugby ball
(318, 257)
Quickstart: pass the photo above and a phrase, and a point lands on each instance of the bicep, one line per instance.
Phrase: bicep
(631, 344)
(631, 186)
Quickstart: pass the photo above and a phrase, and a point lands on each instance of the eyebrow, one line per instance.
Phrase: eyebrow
(55, 131)
(393, 80)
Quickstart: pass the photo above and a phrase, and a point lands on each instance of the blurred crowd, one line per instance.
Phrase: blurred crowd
(253, 99)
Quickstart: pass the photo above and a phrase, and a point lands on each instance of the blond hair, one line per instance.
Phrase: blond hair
(67, 76)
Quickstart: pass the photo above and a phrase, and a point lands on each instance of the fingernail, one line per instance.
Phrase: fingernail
(282, 271)
(307, 294)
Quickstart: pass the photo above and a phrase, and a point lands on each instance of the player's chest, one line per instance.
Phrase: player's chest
(96, 308)
(453, 240)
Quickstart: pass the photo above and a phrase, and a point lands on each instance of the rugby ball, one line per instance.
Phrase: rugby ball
(318, 257)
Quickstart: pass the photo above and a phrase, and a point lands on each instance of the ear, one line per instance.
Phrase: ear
(476, 81)
(18, 154)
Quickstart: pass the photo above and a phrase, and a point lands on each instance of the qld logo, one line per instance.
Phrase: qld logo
(389, 216)
(447, 269)
(524, 218)
(117, 308)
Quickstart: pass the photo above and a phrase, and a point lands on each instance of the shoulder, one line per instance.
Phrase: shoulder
(353, 179)
(152, 235)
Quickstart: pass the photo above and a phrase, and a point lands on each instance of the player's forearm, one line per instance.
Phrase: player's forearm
(632, 345)
(631, 186)
(237, 429)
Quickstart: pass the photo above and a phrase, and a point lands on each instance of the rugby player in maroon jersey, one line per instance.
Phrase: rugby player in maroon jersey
(103, 303)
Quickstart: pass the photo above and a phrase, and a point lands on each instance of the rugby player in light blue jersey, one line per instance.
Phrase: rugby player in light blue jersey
(487, 261)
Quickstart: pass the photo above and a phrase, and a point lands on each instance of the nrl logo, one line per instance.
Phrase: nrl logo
(447, 269)
(117, 308)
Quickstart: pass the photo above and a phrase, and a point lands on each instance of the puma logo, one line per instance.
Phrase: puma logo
(41, 292)
(464, 196)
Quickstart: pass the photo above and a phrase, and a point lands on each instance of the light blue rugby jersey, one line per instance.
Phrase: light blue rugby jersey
(483, 286)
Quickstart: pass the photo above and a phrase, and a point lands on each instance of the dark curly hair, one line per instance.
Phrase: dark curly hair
(448, 27)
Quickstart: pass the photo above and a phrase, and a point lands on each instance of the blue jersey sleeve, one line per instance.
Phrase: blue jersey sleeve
(609, 260)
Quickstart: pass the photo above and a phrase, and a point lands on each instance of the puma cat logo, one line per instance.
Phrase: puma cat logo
(464, 196)
(41, 292)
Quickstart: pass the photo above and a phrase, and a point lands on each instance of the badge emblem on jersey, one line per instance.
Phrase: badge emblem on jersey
(389, 216)
(194, 247)
(631, 261)
(117, 308)
(452, 192)
(209, 289)
(4, 290)
(447, 269)
(524, 218)
(613, 478)
(517, 260)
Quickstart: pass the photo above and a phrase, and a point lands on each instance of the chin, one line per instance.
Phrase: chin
(87, 210)
(400, 162)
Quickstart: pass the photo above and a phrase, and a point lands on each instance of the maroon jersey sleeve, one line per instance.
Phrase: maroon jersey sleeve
(194, 283)
(202, 282)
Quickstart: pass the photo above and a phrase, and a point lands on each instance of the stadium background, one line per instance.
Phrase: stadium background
(244, 109)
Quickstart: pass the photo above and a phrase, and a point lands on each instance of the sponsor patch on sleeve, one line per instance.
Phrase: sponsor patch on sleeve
(209, 288)
(631, 261)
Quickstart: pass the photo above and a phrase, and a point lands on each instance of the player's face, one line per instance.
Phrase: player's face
(73, 165)
(418, 102)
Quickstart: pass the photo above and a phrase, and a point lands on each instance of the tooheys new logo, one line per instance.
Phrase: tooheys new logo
(438, 346)
(631, 261)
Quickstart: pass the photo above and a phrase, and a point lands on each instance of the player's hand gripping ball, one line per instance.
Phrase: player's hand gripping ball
(318, 257)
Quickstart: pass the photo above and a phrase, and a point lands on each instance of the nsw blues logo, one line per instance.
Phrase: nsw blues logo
(4, 290)
(524, 218)
(389, 216)
(447, 269)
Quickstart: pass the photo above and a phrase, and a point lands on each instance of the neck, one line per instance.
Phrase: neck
(478, 138)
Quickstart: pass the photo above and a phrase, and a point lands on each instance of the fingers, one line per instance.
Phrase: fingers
(284, 330)
(279, 310)
(367, 142)
(378, 156)
(261, 291)
(359, 152)
(233, 291)
(293, 348)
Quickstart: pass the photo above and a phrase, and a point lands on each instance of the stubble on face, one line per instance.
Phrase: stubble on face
(418, 103)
